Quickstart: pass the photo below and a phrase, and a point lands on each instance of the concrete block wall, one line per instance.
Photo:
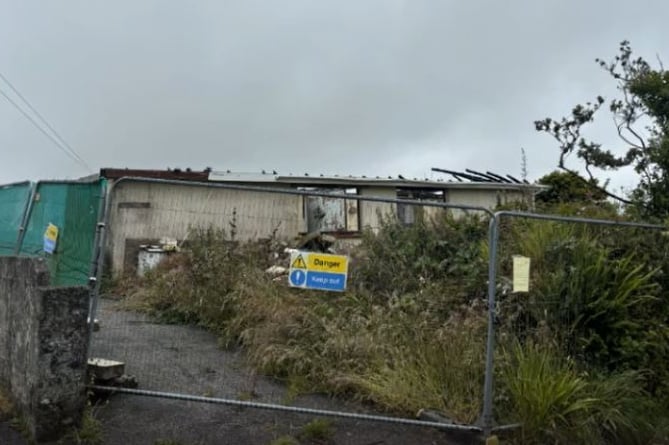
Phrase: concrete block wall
(43, 343)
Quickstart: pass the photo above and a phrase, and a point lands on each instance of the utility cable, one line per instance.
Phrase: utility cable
(55, 137)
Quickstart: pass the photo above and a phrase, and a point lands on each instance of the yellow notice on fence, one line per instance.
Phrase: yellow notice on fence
(51, 232)
(521, 274)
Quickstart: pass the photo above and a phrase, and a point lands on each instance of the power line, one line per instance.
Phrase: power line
(58, 139)
(53, 139)
(41, 118)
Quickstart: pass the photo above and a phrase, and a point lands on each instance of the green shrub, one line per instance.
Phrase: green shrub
(437, 367)
(557, 404)
(590, 338)
(317, 429)
(604, 306)
(398, 259)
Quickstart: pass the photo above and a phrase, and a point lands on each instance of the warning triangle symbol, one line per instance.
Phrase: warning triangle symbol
(298, 263)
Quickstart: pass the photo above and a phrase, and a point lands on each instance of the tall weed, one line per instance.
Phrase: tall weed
(600, 305)
(557, 404)
(398, 259)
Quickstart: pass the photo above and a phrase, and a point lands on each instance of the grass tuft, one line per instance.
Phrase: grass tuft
(317, 430)
(284, 440)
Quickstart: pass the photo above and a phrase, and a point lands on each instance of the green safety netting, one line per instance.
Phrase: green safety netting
(13, 201)
(73, 207)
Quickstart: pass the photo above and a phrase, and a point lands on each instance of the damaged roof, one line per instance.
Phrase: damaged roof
(306, 180)
(358, 181)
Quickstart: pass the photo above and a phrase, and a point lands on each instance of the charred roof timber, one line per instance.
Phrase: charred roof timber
(475, 176)
(498, 177)
(483, 176)
(459, 175)
(513, 179)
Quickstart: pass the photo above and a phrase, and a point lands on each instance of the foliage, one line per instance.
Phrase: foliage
(362, 342)
(285, 440)
(317, 429)
(644, 102)
(88, 433)
(432, 251)
(603, 306)
(582, 354)
(439, 368)
(560, 405)
(566, 188)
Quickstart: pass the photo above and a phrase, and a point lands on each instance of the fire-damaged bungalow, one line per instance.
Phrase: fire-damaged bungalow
(144, 212)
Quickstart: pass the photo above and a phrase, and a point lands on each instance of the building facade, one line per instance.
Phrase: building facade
(143, 212)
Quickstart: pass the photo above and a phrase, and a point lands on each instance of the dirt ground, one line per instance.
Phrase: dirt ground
(188, 360)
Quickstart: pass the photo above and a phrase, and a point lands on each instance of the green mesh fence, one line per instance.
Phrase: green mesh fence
(13, 201)
(73, 208)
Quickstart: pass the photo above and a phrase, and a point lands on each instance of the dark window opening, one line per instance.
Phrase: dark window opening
(407, 214)
(332, 214)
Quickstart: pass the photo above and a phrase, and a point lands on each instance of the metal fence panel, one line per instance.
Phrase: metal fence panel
(14, 199)
(72, 207)
(228, 286)
(570, 260)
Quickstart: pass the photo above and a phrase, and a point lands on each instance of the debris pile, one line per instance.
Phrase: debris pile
(311, 242)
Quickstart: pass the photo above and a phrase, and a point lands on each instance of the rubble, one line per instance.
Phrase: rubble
(276, 270)
(317, 242)
(103, 369)
(311, 242)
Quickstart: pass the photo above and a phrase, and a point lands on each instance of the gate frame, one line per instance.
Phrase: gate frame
(26, 213)
(97, 266)
(487, 420)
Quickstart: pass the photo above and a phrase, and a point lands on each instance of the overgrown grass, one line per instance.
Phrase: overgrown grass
(317, 430)
(582, 356)
(88, 433)
(558, 404)
(284, 440)
(403, 352)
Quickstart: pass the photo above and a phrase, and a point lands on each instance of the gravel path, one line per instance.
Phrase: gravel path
(188, 360)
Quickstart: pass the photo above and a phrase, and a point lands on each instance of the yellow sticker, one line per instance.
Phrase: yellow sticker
(328, 263)
(51, 232)
(521, 274)
(298, 263)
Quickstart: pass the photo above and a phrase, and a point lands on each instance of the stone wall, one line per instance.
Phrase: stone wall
(43, 342)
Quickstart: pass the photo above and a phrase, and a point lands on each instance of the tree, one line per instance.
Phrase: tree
(567, 188)
(641, 118)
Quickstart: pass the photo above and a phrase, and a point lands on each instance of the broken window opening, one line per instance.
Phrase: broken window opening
(331, 214)
(407, 214)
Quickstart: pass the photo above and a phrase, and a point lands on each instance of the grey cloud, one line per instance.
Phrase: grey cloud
(378, 87)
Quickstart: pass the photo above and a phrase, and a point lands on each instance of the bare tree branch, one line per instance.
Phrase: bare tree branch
(619, 127)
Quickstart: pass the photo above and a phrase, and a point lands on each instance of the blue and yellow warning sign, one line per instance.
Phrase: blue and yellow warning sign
(323, 271)
(50, 238)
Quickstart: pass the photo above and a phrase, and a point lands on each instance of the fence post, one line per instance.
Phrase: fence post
(25, 219)
(487, 419)
(97, 258)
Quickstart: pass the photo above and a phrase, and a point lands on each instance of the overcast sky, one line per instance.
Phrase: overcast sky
(381, 87)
